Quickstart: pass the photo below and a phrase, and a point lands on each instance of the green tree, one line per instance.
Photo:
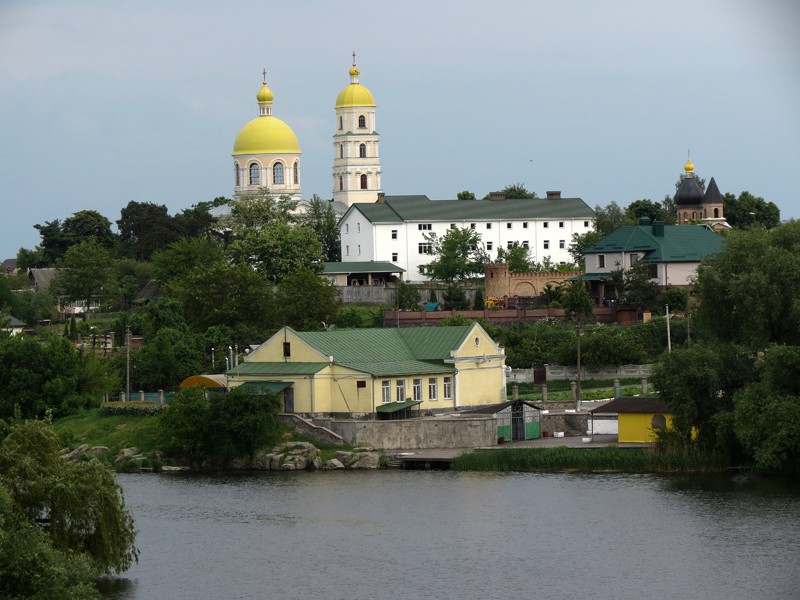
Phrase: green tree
(749, 291)
(518, 258)
(774, 443)
(26, 550)
(465, 195)
(86, 274)
(639, 290)
(89, 225)
(578, 308)
(167, 358)
(209, 428)
(321, 217)
(31, 259)
(180, 258)
(747, 211)
(231, 295)
(145, 227)
(458, 255)
(198, 221)
(81, 501)
(407, 296)
(677, 298)
(267, 235)
(455, 297)
(517, 191)
(308, 302)
(655, 211)
(479, 304)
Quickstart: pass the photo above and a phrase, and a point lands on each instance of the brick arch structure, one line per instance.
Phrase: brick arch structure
(499, 282)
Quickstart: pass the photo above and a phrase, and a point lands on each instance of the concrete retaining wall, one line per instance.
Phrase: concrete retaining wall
(440, 432)
(307, 428)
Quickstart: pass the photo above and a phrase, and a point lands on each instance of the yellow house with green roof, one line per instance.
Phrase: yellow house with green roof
(375, 372)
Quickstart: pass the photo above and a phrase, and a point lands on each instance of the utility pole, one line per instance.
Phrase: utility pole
(669, 337)
(128, 363)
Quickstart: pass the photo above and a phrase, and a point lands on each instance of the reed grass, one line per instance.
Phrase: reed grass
(653, 459)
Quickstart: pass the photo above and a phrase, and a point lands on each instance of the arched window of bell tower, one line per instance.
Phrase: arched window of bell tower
(238, 174)
(341, 123)
(362, 151)
(296, 169)
(363, 182)
(255, 178)
(341, 183)
(716, 213)
(362, 122)
(277, 174)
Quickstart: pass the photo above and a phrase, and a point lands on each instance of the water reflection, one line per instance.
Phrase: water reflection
(400, 534)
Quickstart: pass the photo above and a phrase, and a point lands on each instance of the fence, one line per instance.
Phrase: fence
(159, 397)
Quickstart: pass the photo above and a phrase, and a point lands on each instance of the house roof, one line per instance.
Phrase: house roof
(390, 351)
(216, 381)
(13, 321)
(679, 243)
(496, 408)
(634, 404)
(42, 278)
(713, 195)
(330, 268)
(10, 266)
(397, 209)
(393, 407)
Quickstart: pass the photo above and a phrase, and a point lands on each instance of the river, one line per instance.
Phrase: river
(468, 536)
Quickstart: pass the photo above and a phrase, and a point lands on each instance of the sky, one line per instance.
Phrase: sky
(105, 102)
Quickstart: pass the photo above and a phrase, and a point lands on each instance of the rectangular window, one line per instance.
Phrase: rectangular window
(394, 256)
(359, 249)
(586, 223)
(417, 390)
(525, 225)
(652, 271)
(358, 227)
(432, 391)
(561, 224)
(488, 226)
(601, 260)
(401, 390)
(347, 227)
(489, 246)
(547, 244)
(287, 349)
(525, 244)
(448, 388)
(546, 224)
(394, 234)
(452, 225)
(347, 250)
(561, 244)
(634, 259)
(508, 225)
(509, 245)
(386, 391)
(472, 225)
(425, 227)
(425, 248)
(361, 384)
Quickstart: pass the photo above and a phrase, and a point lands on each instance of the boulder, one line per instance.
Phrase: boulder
(99, 450)
(75, 455)
(333, 464)
(126, 453)
(365, 460)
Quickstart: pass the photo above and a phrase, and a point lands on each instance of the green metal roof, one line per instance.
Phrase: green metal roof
(396, 209)
(680, 243)
(257, 387)
(278, 368)
(330, 268)
(389, 351)
(392, 407)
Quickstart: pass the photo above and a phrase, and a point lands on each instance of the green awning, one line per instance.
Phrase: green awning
(392, 407)
(259, 387)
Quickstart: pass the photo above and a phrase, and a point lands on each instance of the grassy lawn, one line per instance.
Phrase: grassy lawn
(115, 432)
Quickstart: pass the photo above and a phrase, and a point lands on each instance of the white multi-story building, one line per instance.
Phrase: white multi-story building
(396, 228)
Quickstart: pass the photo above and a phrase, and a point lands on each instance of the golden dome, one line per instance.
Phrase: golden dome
(266, 135)
(264, 94)
(354, 94)
(689, 166)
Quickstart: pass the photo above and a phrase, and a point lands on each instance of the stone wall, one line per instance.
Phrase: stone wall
(309, 429)
(412, 434)
(499, 282)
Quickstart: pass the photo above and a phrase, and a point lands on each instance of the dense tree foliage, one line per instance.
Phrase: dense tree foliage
(407, 296)
(321, 217)
(53, 375)
(458, 255)
(80, 503)
(214, 428)
(737, 389)
(307, 301)
(518, 258)
(747, 211)
(86, 274)
(465, 195)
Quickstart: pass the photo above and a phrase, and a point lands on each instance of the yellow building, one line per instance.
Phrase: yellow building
(366, 372)
(639, 417)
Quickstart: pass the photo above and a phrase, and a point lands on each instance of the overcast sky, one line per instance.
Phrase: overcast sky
(106, 102)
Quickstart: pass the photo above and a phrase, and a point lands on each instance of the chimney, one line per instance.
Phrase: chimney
(658, 228)
(644, 221)
(497, 196)
(381, 198)
(554, 195)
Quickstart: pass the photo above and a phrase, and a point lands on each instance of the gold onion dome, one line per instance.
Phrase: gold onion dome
(354, 94)
(689, 166)
(266, 134)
